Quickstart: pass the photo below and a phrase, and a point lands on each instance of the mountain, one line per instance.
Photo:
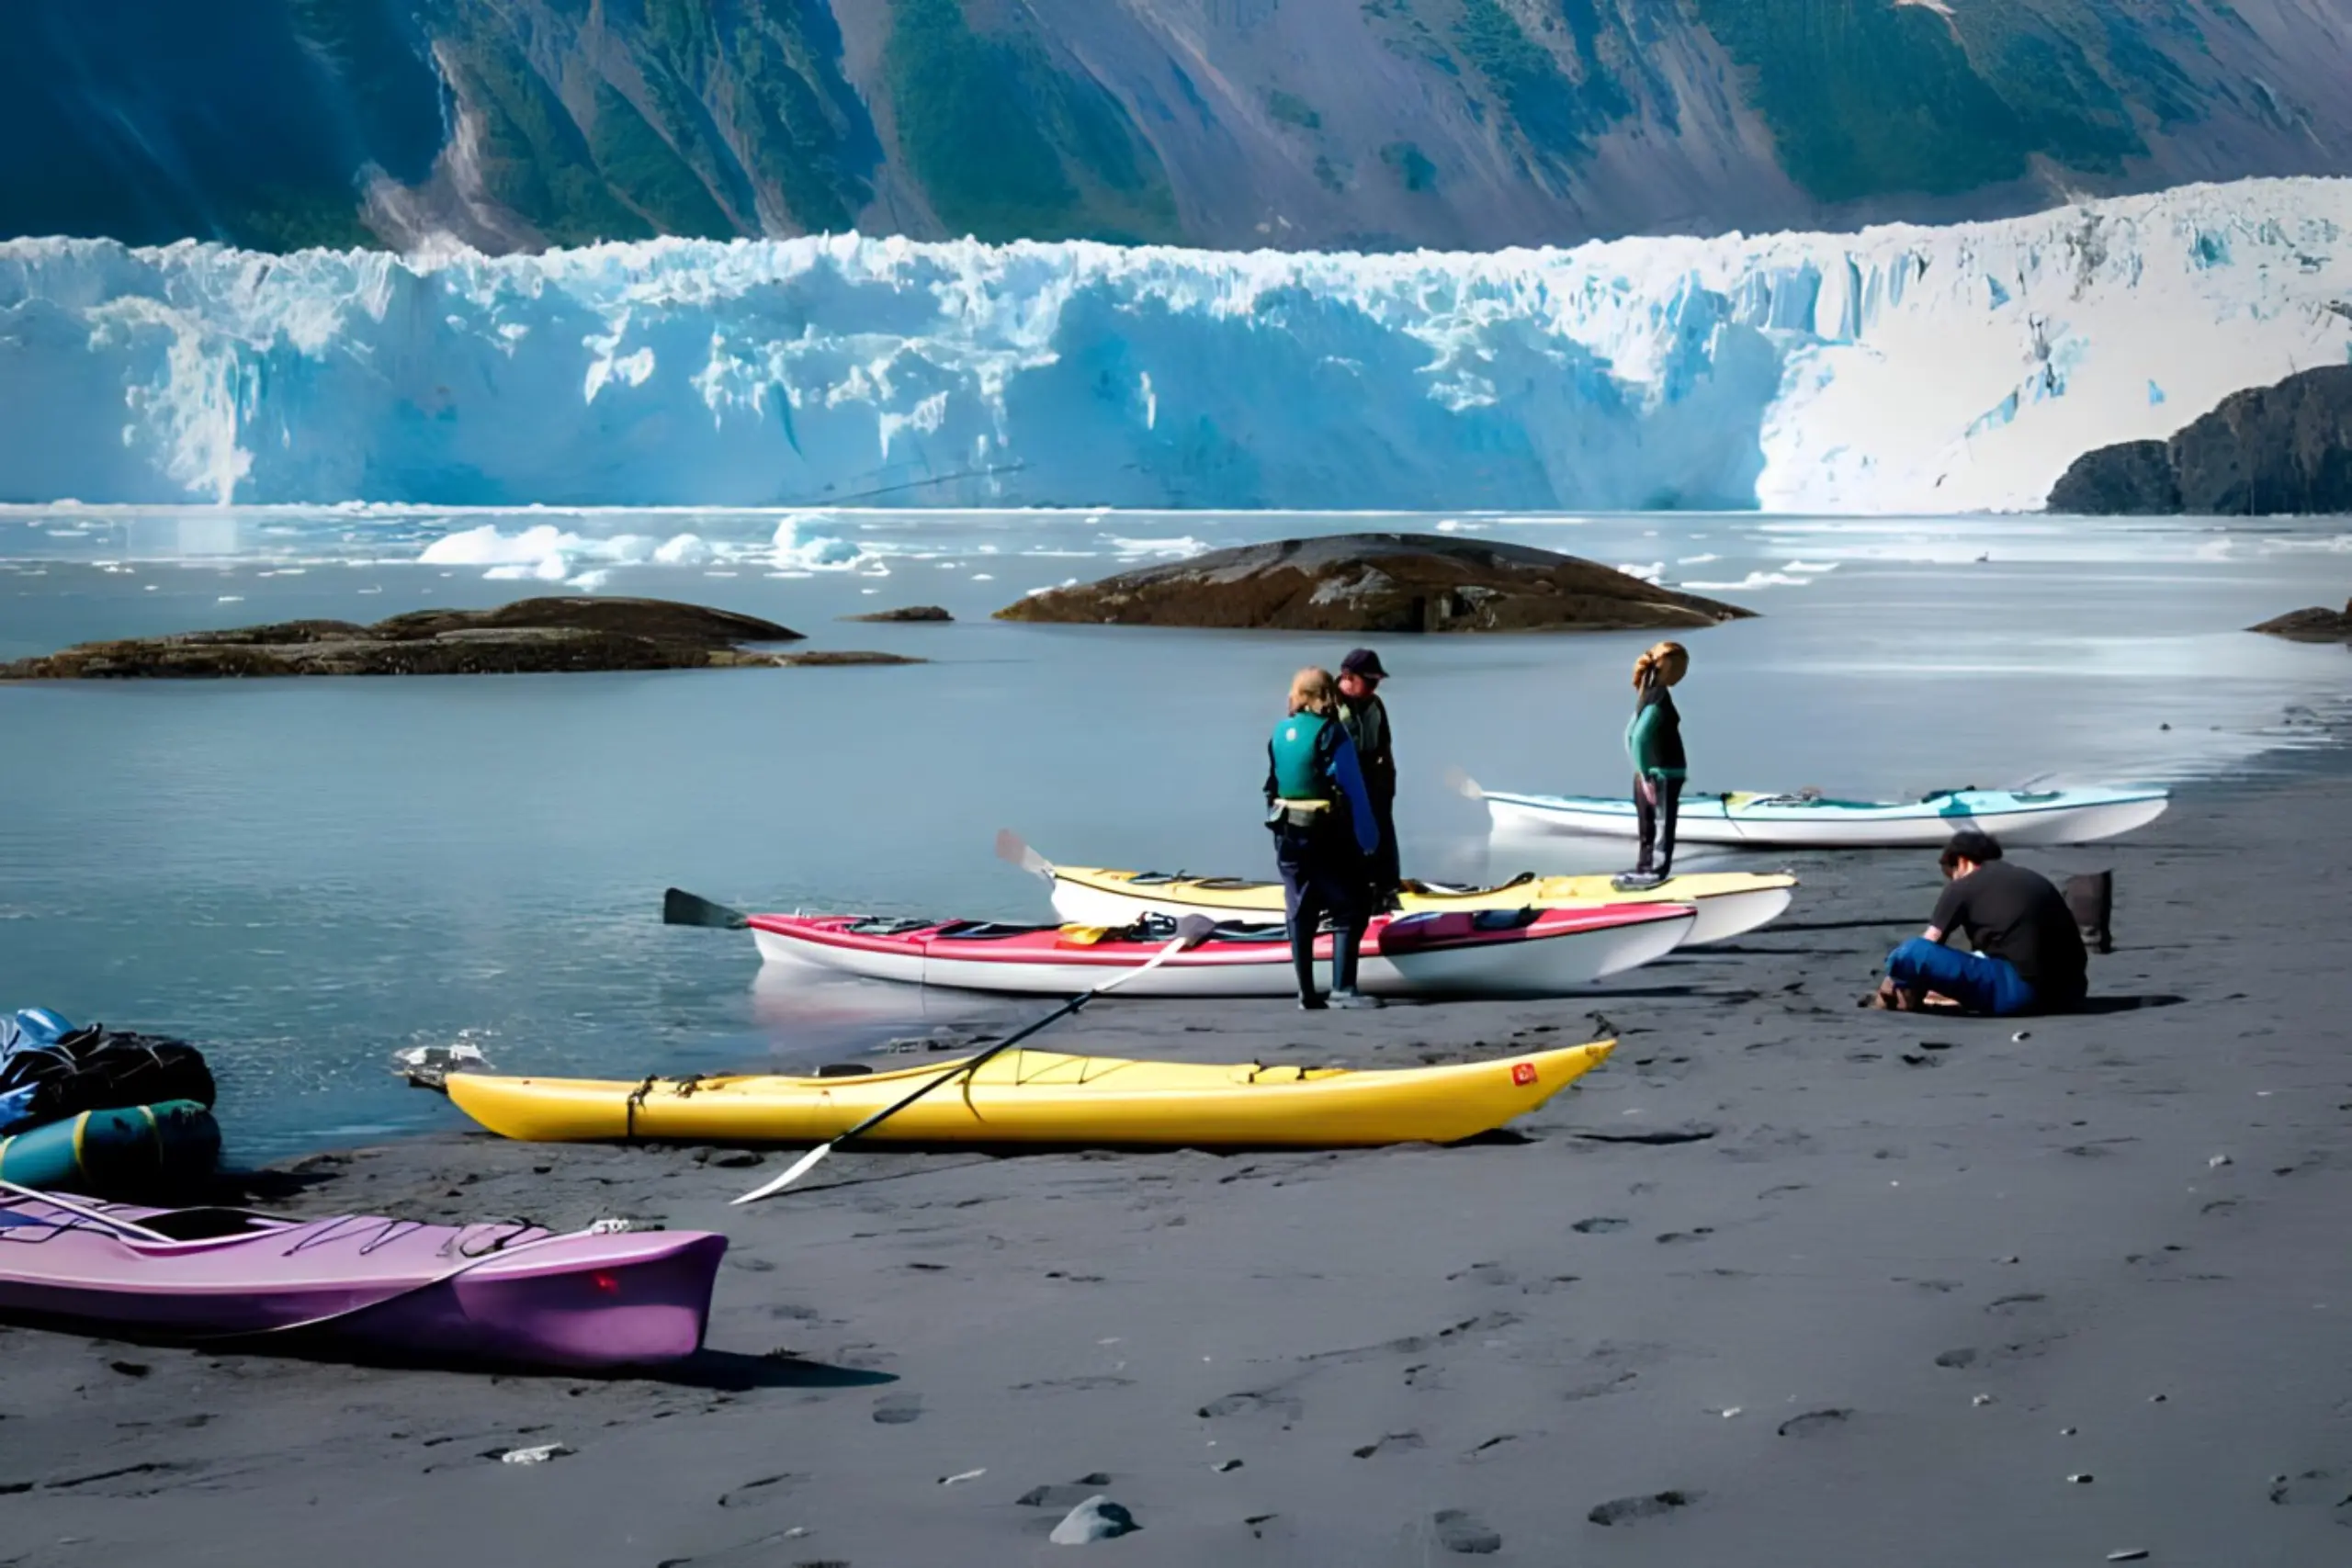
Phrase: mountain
(1898, 369)
(1291, 124)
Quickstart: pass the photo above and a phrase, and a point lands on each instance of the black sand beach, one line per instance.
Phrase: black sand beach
(1784, 1282)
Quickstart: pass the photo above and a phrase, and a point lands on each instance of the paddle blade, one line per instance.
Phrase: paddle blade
(1014, 850)
(800, 1169)
(1462, 784)
(1194, 930)
(680, 908)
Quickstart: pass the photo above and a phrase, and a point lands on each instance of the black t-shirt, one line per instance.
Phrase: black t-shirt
(2010, 912)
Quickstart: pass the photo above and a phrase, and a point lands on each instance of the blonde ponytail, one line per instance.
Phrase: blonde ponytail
(1313, 690)
(1667, 662)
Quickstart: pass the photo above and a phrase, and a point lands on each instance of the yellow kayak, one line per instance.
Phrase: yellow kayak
(1042, 1097)
(1728, 902)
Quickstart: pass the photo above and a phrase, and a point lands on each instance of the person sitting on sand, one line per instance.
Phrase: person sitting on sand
(1365, 718)
(1312, 777)
(1653, 740)
(2029, 954)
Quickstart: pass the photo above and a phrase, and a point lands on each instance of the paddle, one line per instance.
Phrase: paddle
(680, 908)
(1189, 931)
(121, 1227)
(1010, 850)
(1462, 784)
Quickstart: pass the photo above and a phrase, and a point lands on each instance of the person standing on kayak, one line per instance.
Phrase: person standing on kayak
(1653, 740)
(1365, 718)
(1324, 831)
(2029, 956)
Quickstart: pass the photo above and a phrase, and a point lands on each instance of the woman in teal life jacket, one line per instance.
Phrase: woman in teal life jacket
(1323, 830)
(1653, 740)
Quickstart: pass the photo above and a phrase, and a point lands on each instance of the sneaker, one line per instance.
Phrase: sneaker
(1312, 1004)
(1353, 998)
(1636, 881)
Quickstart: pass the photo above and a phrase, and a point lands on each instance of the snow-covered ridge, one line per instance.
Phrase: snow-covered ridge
(1903, 368)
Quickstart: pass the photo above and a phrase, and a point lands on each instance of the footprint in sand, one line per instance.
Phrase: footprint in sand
(1458, 1530)
(1255, 1401)
(767, 1489)
(1483, 1274)
(1957, 1358)
(1813, 1422)
(2011, 1303)
(1083, 1383)
(1696, 1232)
(898, 1410)
(1062, 1496)
(1599, 1226)
(1401, 1441)
(1617, 1384)
(1628, 1510)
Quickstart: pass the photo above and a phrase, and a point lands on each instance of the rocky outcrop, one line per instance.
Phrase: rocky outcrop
(2314, 624)
(907, 613)
(1378, 582)
(2282, 448)
(531, 636)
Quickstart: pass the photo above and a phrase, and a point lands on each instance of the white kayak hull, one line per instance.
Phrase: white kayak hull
(1550, 966)
(1720, 915)
(2063, 818)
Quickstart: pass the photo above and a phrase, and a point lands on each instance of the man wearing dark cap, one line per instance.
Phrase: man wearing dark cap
(1365, 718)
(2029, 954)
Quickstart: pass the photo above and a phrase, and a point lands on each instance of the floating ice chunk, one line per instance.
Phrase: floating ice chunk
(486, 545)
(797, 545)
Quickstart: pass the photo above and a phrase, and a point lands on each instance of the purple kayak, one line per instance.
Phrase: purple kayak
(504, 1291)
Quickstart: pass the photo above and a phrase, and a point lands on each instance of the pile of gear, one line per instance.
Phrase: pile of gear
(101, 1112)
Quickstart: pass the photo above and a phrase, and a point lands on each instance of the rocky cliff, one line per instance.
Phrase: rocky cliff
(1322, 124)
(2267, 450)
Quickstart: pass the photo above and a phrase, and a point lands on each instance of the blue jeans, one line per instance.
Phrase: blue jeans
(1980, 985)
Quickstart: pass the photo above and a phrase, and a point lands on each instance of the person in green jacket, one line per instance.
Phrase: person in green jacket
(1321, 814)
(1654, 739)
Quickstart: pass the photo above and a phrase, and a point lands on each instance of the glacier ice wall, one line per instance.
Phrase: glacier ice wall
(1902, 369)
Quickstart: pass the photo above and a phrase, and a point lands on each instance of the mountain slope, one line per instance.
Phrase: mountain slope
(1374, 124)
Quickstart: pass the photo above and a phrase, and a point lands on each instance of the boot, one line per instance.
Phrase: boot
(1344, 971)
(1302, 961)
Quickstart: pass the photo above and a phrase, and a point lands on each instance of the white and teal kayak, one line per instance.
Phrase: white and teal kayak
(1809, 821)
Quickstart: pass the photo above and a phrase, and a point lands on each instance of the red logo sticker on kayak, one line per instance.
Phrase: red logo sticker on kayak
(1523, 1073)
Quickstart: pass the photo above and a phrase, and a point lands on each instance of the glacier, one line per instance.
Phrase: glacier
(1900, 369)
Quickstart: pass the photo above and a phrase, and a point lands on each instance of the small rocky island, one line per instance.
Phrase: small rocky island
(1378, 583)
(904, 614)
(530, 637)
(2263, 452)
(2317, 624)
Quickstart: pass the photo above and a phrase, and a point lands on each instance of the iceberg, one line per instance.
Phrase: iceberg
(1900, 369)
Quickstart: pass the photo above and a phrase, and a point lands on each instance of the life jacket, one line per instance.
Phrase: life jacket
(1300, 758)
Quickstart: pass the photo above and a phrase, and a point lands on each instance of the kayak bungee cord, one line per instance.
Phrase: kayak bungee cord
(1190, 932)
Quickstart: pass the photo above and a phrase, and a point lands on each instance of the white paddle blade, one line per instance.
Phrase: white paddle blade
(1011, 849)
(1462, 784)
(1191, 932)
(800, 1168)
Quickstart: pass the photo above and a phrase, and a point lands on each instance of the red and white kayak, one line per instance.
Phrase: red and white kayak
(1488, 952)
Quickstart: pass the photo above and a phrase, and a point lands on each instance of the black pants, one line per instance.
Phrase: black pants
(1658, 824)
(1321, 878)
(1381, 874)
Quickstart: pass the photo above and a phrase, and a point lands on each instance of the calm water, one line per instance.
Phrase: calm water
(305, 877)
